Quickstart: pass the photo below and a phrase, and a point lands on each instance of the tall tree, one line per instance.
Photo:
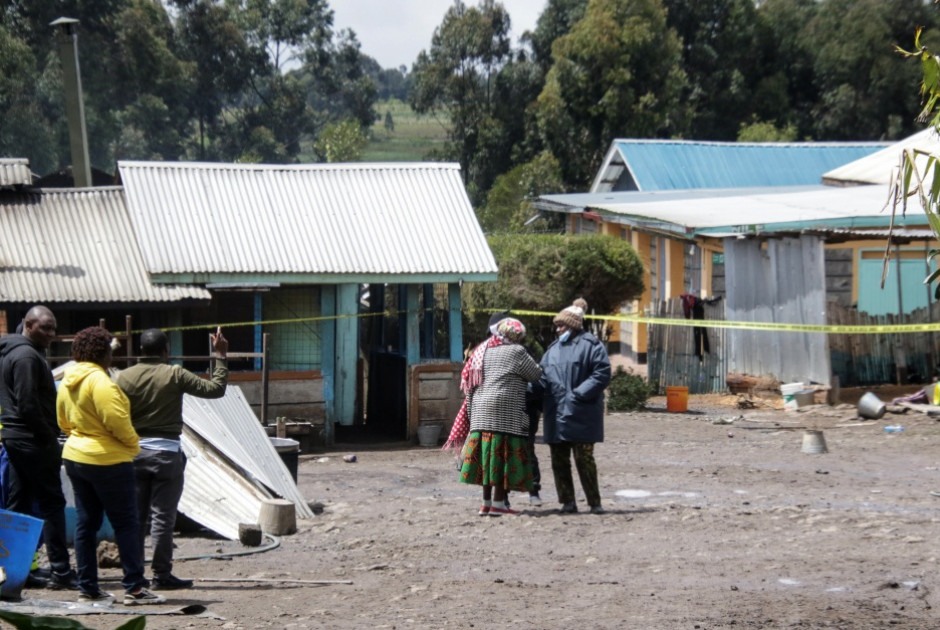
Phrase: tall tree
(391, 82)
(273, 116)
(337, 83)
(97, 28)
(24, 130)
(511, 138)
(617, 73)
(785, 94)
(508, 204)
(156, 86)
(208, 79)
(555, 20)
(864, 92)
(456, 76)
(224, 64)
(718, 42)
(284, 28)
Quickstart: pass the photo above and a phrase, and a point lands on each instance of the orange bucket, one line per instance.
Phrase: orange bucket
(677, 399)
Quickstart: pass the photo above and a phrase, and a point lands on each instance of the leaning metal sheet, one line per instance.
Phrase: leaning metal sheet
(217, 495)
(229, 424)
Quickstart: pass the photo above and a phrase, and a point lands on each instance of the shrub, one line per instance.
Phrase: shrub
(628, 391)
(545, 273)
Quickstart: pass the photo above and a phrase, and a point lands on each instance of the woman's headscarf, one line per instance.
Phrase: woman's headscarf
(512, 329)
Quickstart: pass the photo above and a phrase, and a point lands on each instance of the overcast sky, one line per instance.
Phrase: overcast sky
(393, 32)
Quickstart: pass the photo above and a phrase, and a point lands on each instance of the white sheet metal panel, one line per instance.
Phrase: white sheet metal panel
(15, 172)
(229, 424)
(881, 167)
(216, 494)
(854, 206)
(312, 218)
(782, 283)
(75, 245)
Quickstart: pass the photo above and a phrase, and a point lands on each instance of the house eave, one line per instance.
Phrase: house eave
(269, 280)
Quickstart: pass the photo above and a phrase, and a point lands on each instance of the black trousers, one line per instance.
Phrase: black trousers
(530, 447)
(159, 488)
(700, 340)
(34, 479)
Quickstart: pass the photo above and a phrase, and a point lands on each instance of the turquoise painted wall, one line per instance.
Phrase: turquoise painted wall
(874, 300)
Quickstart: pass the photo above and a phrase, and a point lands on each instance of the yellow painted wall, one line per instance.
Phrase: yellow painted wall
(636, 334)
(709, 248)
(641, 243)
(675, 260)
(618, 332)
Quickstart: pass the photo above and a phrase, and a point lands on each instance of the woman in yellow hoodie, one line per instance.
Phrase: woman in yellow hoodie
(98, 454)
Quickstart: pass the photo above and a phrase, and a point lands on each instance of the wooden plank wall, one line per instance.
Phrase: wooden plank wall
(858, 360)
(671, 360)
(874, 359)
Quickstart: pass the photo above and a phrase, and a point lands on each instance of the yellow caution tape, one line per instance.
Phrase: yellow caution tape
(867, 329)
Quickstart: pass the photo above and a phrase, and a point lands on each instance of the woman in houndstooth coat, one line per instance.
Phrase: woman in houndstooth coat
(495, 454)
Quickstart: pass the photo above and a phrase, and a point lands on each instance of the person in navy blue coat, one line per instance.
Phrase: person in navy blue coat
(575, 373)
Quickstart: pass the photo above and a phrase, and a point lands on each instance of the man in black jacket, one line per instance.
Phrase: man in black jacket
(30, 436)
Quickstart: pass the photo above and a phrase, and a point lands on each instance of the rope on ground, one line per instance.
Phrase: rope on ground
(276, 581)
(274, 543)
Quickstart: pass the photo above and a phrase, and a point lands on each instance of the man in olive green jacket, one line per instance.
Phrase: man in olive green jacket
(155, 390)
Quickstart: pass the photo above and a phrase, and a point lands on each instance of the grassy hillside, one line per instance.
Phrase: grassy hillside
(411, 140)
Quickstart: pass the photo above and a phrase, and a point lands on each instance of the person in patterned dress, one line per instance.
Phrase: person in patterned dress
(495, 454)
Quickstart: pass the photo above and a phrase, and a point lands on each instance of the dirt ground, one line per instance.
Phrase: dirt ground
(715, 519)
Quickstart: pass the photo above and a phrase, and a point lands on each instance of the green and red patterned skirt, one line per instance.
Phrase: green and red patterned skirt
(496, 459)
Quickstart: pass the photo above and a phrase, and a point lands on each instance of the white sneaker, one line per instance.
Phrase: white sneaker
(141, 597)
(535, 500)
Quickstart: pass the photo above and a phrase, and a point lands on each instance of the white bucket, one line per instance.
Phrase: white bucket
(805, 398)
(789, 391)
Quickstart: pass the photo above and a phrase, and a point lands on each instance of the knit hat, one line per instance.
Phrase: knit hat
(572, 316)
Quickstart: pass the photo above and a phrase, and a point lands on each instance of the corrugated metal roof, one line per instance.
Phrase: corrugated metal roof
(897, 233)
(768, 209)
(229, 424)
(685, 164)
(578, 202)
(880, 167)
(305, 219)
(15, 172)
(75, 245)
